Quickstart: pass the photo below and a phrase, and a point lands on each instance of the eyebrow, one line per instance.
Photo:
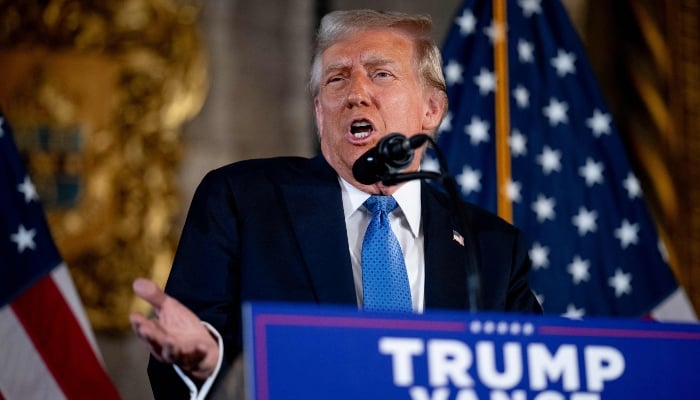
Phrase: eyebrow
(371, 61)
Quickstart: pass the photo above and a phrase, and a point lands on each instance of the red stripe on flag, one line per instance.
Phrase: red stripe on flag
(60, 341)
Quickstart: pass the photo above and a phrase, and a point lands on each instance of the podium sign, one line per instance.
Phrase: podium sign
(302, 352)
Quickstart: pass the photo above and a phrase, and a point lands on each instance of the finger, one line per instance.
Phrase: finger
(150, 292)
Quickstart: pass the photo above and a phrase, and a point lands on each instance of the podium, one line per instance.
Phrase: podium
(312, 352)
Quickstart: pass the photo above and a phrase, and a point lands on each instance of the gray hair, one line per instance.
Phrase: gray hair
(339, 24)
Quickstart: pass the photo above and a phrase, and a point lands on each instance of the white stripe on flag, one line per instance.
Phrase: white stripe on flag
(23, 374)
(64, 283)
(675, 308)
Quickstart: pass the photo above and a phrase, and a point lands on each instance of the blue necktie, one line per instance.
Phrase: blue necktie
(384, 279)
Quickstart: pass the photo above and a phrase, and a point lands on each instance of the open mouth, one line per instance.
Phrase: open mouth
(361, 129)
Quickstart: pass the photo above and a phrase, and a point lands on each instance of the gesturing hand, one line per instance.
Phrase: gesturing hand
(175, 335)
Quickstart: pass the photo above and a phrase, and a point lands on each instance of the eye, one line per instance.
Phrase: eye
(334, 79)
(383, 74)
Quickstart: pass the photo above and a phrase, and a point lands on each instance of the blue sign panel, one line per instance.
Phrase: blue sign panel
(302, 352)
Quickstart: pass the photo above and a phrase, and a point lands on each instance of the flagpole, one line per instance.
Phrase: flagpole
(505, 208)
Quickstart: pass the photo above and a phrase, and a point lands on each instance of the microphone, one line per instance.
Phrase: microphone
(392, 153)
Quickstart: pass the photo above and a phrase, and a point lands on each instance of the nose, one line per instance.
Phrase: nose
(358, 91)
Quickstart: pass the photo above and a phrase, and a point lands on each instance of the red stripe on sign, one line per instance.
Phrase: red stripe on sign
(61, 343)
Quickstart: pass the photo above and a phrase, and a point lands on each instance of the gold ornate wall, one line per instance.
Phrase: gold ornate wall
(647, 56)
(97, 92)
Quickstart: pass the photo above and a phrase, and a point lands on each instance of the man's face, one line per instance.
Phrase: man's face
(370, 88)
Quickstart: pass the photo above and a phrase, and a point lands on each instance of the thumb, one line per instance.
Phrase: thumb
(150, 292)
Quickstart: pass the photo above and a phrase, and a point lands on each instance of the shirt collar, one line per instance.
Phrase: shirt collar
(407, 196)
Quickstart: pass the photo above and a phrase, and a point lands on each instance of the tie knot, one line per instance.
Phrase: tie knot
(377, 204)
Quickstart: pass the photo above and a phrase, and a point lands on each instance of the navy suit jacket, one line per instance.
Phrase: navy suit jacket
(274, 230)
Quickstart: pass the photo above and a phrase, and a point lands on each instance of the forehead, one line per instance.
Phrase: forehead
(369, 45)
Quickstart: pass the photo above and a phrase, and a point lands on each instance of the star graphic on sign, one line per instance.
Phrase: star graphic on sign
(585, 221)
(530, 7)
(522, 96)
(466, 22)
(513, 191)
(469, 180)
(453, 73)
(518, 143)
(539, 255)
(556, 112)
(495, 31)
(599, 123)
(631, 184)
(24, 239)
(544, 208)
(477, 130)
(621, 282)
(579, 270)
(446, 124)
(550, 160)
(592, 172)
(627, 233)
(574, 313)
(486, 81)
(28, 189)
(525, 51)
(564, 63)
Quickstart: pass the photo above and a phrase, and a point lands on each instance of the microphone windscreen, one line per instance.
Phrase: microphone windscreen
(369, 168)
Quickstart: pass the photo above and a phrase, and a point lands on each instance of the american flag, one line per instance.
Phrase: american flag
(566, 178)
(47, 350)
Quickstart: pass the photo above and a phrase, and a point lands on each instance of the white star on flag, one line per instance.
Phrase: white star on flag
(24, 239)
(522, 96)
(446, 124)
(592, 172)
(513, 191)
(466, 23)
(564, 63)
(530, 7)
(517, 143)
(621, 282)
(556, 111)
(453, 73)
(544, 208)
(478, 130)
(574, 313)
(486, 81)
(632, 187)
(627, 233)
(550, 160)
(525, 51)
(539, 256)
(469, 180)
(579, 270)
(585, 221)
(599, 123)
(27, 188)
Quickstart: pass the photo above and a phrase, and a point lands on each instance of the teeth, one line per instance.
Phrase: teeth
(361, 129)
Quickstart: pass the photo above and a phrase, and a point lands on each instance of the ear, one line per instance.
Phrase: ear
(318, 113)
(435, 106)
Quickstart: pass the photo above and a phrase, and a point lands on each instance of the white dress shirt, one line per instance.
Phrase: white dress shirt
(405, 221)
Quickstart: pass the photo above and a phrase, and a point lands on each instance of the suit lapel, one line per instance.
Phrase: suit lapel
(316, 211)
(445, 272)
